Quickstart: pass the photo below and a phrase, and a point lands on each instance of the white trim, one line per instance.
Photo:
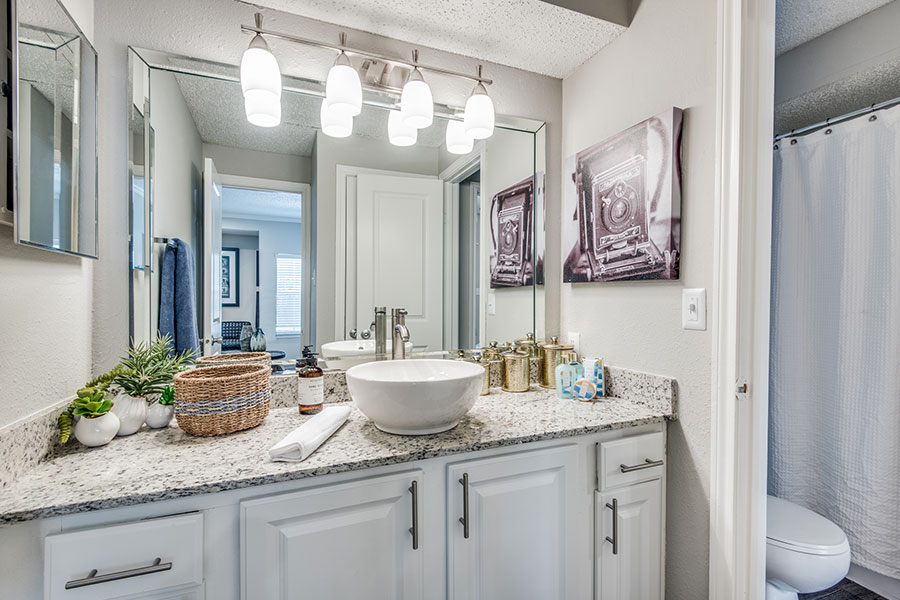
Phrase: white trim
(258, 183)
(740, 322)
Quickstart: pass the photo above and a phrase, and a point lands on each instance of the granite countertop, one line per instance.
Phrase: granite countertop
(164, 464)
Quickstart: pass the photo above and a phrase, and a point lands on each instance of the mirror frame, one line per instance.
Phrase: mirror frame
(14, 84)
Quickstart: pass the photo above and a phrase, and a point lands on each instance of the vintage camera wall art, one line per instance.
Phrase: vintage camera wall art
(623, 205)
(514, 212)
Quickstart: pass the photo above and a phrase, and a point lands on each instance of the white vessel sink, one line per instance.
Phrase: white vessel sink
(415, 397)
(349, 353)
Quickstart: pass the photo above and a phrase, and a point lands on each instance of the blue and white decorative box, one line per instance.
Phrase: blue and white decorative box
(566, 376)
(593, 371)
(584, 390)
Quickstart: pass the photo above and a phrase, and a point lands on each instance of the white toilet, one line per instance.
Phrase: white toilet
(805, 552)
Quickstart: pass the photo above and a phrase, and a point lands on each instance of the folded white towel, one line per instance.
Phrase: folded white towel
(304, 440)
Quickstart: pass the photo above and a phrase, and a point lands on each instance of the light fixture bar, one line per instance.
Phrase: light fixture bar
(354, 52)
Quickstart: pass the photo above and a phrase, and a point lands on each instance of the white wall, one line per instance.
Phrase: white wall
(177, 179)
(274, 238)
(666, 58)
(46, 299)
(209, 29)
(263, 165)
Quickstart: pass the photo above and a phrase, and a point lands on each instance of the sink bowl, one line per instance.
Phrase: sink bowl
(415, 397)
(349, 353)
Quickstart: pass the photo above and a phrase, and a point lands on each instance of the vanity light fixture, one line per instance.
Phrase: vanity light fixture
(479, 116)
(335, 124)
(458, 141)
(261, 82)
(399, 133)
(416, 103)
(343, 88)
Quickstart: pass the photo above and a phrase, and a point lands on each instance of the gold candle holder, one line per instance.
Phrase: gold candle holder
(516, 374)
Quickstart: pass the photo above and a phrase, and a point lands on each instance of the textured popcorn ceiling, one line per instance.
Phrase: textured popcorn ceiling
(217, 108)
(799, 21)
(526, 34)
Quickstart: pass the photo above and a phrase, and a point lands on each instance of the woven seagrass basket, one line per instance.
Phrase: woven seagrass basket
(222, 399)
(236, 358)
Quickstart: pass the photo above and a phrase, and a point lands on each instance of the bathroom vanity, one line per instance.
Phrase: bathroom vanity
(528, 497)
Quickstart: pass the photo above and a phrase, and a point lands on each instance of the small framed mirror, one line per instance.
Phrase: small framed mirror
(55, 130)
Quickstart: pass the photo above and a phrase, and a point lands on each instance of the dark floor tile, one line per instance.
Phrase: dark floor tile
(845, 590)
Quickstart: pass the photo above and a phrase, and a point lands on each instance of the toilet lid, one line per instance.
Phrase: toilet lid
(790, 524)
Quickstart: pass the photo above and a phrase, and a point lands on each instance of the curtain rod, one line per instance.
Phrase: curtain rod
(354, 52)
(833, 121)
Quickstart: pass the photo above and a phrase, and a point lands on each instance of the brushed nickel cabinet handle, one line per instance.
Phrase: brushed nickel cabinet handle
(465, 518)
(614, 540)
(647, 464)
(414, 530)
(93, 579)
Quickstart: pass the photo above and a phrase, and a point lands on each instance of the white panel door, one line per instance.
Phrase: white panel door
(634, 571)
(520, 527)
(212, 259)
(348, 540)
(400, 252)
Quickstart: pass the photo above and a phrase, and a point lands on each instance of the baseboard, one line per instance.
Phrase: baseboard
(880, 584)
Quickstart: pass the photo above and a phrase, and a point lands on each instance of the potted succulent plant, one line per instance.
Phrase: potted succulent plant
(149, 369)
(160, 413)
(96, 425)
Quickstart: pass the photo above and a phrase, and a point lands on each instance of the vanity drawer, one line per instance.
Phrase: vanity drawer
(631, 460)
(129, 558)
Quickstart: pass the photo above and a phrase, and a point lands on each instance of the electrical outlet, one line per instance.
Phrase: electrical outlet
(693, 309)
(574, 339)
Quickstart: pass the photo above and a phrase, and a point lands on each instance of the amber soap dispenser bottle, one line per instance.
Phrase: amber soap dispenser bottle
(311, 383)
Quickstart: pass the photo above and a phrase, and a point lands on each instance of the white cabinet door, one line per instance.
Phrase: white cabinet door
(350, 541)
(516, 539)
(628, 543)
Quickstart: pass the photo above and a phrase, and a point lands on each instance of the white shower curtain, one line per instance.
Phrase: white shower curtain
(834, 419)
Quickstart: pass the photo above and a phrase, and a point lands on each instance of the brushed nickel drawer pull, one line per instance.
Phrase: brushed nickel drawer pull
(93, 579)
(647, 464)
(465, 518)
(414, 530)
(614, 540)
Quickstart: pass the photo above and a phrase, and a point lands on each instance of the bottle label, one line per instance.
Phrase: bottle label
(312, 391)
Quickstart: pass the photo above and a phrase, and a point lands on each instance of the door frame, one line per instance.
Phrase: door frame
(344, 261)
(305, 190)
(739, 432)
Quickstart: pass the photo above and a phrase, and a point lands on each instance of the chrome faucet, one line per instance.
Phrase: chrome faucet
(380, 333)
(401, 333)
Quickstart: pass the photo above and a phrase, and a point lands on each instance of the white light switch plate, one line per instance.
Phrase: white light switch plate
(693, 308)
(492, 304)
(574, 339)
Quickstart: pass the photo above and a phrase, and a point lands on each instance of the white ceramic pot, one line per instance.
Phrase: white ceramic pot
(132, 412)
(98, 431)
(159, 415)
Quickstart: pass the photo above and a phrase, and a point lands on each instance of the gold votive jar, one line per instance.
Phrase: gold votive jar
(553, 354)
(486, 378)
(516, 374)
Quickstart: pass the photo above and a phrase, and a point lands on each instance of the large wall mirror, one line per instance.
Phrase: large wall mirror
(55, 133)
(301, 235)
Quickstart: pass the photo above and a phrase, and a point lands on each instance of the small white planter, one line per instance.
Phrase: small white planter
(132, 412)
(159, 415)
(98, 431)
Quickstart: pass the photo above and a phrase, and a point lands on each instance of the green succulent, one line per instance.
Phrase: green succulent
(93, 406)
(91, 402)
(167, 398)
(149, 367)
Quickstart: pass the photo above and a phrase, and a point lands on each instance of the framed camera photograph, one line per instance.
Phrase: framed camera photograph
(231, 277)
(622, 218)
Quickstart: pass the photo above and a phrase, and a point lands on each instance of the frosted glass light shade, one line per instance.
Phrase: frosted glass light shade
(400, 133)
(458, 141)
(261, 84)
(416, 103)
(262, 108)
(335, 124)
(343, 88)
(259, 69)
(479, 115)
